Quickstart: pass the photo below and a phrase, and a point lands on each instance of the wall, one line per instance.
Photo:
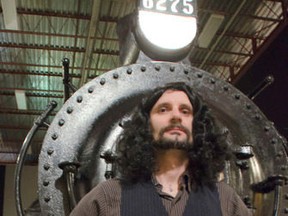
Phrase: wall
(28, 186)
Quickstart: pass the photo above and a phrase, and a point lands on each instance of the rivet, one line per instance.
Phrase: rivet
(248, 106)
(172, 68)
(69, 110)
(46, 183)
(54, 136)
(46, 166)
(283, 167)
(212, 81)
(115, 75)
(129, 71)
(47, 199)
(225, 88)
(266, 128)
(102, 81)
(61, 122)
(286, 210)
(237, 96)
(279, 154)
(273, 141)
(90, 89)
(79, 99)
(143, 68)
(286, 196)
(50, 151)
(199, 75)
(157, 67)
(186, 71)
(257, 117)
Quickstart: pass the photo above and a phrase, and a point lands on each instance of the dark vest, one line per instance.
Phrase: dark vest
(142, 199)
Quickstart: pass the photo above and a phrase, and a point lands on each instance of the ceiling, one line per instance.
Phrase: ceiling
(41, 33)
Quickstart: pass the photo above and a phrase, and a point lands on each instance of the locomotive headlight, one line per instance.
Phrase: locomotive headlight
(166, 28)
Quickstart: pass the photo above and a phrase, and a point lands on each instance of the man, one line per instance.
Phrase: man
(169, 156)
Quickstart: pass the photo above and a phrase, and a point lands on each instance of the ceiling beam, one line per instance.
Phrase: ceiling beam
(225, 28)
(58, 48)
(225, 51)
(30, 89)
(22, 11)
(33, 94)
(46, 73)
(241, 35)
(53, 35)
(90, 41)
(261, 49)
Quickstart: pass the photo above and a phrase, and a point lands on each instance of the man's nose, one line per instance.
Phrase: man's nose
(176, 116)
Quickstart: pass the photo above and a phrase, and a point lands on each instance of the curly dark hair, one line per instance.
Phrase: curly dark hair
(136, 154)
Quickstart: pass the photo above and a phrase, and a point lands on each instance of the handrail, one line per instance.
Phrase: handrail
(40, 121)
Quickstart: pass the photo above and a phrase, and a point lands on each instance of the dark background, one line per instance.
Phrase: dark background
(273, 100)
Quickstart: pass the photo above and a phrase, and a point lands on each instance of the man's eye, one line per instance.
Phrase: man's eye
(186, 111)
(162, 109)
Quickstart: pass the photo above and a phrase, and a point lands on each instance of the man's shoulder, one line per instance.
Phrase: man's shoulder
(110, 184)
(226, 192)
(106, 190)
(224, 187)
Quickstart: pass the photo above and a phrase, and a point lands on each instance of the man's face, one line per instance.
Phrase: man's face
(171, 117)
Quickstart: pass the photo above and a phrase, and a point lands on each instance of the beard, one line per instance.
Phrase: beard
(166, 144)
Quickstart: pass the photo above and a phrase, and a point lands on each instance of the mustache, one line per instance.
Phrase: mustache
(172, 126)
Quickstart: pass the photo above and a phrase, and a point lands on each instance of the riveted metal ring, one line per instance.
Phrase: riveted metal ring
(90, 124)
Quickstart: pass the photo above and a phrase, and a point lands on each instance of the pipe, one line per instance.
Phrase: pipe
(264, 84)
(66, 80)
(70, 170)
(21, 157)
(277, 197)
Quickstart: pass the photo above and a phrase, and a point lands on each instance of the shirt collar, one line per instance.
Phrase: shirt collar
(185, 181)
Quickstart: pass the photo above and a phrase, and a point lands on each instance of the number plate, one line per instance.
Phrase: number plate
(174, 7)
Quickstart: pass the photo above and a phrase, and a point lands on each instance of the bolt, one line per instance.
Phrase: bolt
(50, 151)
(79, 99)
(102, 81)
(273, 141)
(115, 76)
(237, 96)
(54, 136)
(69, 110)
(90, 89)
(266, 128)
(226, 88)
(61, 122)
(46, 166)
(46, 183)
(157, 67)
